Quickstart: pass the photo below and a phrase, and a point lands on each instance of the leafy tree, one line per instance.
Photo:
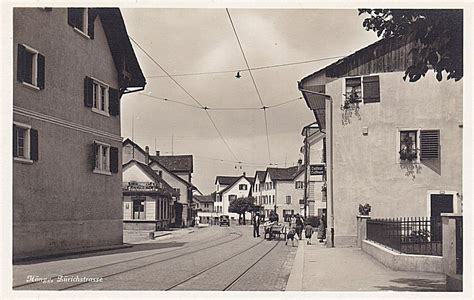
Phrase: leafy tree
(439, 33)
(242, 205)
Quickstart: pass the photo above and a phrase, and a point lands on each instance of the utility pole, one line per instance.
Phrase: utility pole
(306, 177)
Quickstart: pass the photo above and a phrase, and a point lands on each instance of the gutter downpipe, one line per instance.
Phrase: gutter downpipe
(329, 161)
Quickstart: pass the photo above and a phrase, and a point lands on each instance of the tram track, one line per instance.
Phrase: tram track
(239, 277)
(237, 232)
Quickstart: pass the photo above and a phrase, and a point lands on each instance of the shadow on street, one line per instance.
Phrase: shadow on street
(415, 285)
(134, 248)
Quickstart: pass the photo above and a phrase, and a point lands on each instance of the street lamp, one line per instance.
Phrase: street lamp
(329, 161)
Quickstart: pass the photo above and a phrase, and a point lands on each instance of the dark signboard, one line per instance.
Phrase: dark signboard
(317, 169)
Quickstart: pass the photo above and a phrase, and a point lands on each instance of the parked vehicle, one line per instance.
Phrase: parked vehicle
(224, 220)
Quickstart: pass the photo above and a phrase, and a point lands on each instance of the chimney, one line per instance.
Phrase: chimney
(147, 155)
(157, 153)
(300, 162)
(244, 174)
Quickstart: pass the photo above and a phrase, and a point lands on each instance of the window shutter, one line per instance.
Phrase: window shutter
(114, 160)
(71, 12)
(15, 134)
(93, 154)
(429, 144)
(41, 71)
(114, 102)
(88, 92)
(90, 26)
(34, 144)
(371, 89)
(21, 63)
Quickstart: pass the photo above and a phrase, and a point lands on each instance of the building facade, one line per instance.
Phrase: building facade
(183, 189)
(228, 189)
(394, 144)
(66, 132)
(314, 162)
(147, 198)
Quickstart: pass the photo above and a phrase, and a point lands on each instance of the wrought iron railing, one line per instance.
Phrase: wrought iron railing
(414, 235)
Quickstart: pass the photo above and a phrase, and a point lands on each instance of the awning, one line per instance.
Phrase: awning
(317, 103)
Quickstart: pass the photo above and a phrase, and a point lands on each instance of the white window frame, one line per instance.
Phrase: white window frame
(397, 145)
(27, 144)
(361, 87)
(85, 24)
(286, 199)
(34, 72)
(100, 159)
(97, 103)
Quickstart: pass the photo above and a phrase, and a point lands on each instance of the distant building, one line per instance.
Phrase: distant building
(71, 68)
(147, 198)
(313, 144)
(229, 188)
(393, 144)
(205, 208)
(283, 191)
(257, 187)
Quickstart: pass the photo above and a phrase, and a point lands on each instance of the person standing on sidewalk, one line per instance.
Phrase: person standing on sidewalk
(256, 225)
(299, 225)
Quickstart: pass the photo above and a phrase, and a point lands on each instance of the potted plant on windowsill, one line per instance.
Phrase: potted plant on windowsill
(408, 154)
(365, 209)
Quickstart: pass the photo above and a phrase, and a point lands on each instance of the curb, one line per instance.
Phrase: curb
(295, 281)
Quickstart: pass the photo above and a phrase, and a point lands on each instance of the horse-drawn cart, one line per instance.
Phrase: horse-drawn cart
(273, 229)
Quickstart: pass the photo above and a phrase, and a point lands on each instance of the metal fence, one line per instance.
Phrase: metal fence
(417, 235)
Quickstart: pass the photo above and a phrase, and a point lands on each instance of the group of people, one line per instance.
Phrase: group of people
(296, 225)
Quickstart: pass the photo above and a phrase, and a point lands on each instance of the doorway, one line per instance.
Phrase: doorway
(439, 203)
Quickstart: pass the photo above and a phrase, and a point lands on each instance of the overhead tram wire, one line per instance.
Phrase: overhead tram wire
(254, 84)
(189, 94)
(220, 108)
(252, 69)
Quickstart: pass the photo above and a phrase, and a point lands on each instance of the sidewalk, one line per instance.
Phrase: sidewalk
(317, 268)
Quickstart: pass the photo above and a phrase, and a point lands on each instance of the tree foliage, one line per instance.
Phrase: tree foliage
(242, 205)
(439, 33)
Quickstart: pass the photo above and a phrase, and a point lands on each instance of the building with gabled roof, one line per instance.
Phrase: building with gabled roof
(71, 67)
(229, 188)
(147, 198)
(393, 144)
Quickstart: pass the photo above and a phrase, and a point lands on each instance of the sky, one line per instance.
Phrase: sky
(184, 41)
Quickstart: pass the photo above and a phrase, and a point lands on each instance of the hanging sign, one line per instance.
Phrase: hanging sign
(317, 169)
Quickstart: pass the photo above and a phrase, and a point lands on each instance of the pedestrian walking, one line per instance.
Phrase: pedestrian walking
(308, 232)
(292, 221)
(322, 228)
(299, 225)
(256, 225)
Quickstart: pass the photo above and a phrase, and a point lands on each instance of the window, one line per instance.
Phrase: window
(242, 187)
(420, 146)
(30, 67)
(82, 20)
(288, 199)
(366, 88)
(105, 158)
(178, 193)
(273, 199)
(298, 184)
(138, 209)
(408, 143)
(101, 98)
(232, 197)
(25, 143)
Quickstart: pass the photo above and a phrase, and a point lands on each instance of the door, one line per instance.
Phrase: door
(440, 203)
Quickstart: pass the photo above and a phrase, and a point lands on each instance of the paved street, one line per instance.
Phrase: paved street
(213, 258)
